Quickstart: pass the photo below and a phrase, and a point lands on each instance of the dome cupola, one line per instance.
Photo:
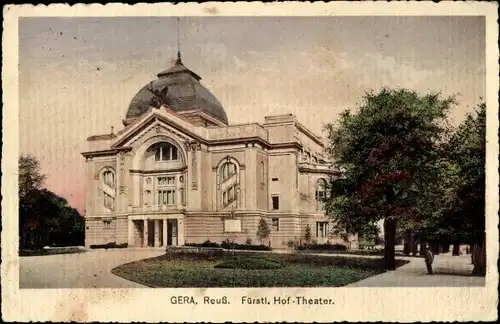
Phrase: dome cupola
(180, 89)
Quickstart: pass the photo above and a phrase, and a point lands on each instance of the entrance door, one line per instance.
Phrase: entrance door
(151, 233)
(138, 233)
(171, 231)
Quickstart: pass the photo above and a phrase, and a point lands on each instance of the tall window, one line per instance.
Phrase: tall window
(275, 222)
(229, 183)
(262, 173)
(320, 194)
(166, 152)
(108, 189)
(227, 170)
(108, 178)
(276, 202)
(183, 199)
(166, 197)
(321, 229)
(165, 193)
(107, 224)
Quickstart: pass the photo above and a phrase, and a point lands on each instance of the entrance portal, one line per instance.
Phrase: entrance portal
(151, 233)
(154, 232)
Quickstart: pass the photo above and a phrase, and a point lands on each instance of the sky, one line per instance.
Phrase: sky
(78, 75)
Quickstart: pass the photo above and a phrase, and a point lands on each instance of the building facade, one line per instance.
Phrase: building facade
(179, 173)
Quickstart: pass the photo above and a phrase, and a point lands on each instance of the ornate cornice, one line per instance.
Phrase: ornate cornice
(181, 169)
(312, 170)
(113, 151)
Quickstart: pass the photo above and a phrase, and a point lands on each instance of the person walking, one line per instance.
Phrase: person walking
(429, 258)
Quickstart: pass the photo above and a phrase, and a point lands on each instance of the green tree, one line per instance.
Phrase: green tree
(307, 234)
(263, 230)
(466, 217)
(387, 152)
(30, 176)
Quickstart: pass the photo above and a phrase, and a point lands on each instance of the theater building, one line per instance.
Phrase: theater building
(178, 172)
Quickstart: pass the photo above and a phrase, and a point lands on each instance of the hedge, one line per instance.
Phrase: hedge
(324, 247)
(112, 245)
(231, 246)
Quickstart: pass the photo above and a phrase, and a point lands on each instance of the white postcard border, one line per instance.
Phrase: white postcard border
(151, 305)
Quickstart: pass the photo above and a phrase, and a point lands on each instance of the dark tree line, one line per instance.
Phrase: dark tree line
(45, 219)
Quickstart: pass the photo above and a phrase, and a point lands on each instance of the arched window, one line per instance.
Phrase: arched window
(108, 186)
(228, 182)
(108, 178)
(320, 194)
(166, 152)
(228, 169)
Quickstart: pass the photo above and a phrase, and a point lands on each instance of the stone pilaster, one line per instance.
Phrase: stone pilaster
(130, 240)
(180, 231)
(165, 233)
(157, 233)
(145, 234)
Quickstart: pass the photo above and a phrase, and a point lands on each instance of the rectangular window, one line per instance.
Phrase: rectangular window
(162, 197)
(275, 224)
(321, 229)
(224, 198)
(165, 150)
(274, 179)
(166, 197)
(170, 180)
(276, 202)
(170, 197)
(107, 224)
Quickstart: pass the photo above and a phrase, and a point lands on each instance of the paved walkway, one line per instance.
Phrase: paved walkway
(449, 271)
(91, 269)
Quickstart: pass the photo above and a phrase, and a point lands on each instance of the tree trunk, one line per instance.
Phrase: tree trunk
(406, 246)
(389, 237)
(456, 249)
(435, 247)
(413, 245)
(479, 262)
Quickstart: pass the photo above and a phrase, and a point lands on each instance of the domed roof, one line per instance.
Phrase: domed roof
(181, 90)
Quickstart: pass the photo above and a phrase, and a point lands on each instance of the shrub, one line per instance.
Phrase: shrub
(324, 247)
(248, 241)
(263, 230)
(249, 263)
(291, 244)
(111, 245)
(207, 243)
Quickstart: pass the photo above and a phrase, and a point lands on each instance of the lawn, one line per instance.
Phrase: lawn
(226, 269)
(40, 252)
